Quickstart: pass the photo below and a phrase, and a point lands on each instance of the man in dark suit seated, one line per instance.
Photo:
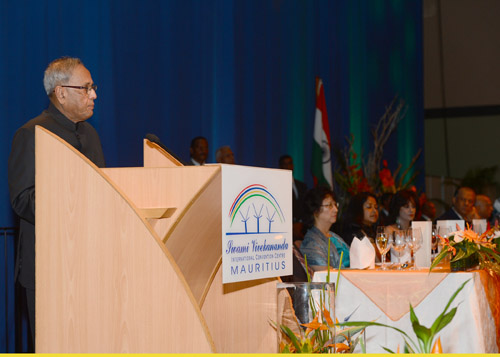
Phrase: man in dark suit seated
(462, 206)
(198, 151)
(299, 190)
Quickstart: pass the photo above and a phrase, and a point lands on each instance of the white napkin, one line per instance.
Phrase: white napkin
(362, 254)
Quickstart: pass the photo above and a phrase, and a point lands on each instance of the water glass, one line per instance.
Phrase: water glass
(399, 244)
(414, 242)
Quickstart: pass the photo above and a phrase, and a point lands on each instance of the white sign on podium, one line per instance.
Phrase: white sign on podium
(257, 234)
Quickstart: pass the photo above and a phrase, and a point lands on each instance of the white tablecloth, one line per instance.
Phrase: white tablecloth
(472, 330)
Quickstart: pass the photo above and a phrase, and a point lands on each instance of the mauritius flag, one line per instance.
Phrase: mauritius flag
(321, 160)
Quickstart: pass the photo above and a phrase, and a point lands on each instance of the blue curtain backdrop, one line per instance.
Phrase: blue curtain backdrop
(241, 73)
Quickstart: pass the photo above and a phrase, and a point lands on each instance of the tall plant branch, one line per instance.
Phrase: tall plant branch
(385, 127)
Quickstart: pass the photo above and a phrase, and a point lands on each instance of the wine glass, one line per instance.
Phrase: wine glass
(443, 232)
(414, 242)
(434, 241)
(383, 245)
(399, 244)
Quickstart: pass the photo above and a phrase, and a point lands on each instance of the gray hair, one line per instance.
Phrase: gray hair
(218, 153)
(59, 72)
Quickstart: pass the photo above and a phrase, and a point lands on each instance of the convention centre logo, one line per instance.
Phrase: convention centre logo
(255, 210)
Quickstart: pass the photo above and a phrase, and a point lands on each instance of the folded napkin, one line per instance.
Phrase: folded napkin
(362, 254)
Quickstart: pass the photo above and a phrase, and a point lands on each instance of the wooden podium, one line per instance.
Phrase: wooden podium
(128, 260)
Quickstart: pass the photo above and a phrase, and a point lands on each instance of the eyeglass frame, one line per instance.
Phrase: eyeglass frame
(88, 88)
(331, 204)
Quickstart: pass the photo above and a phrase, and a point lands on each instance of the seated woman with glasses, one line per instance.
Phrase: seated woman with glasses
(320, 212)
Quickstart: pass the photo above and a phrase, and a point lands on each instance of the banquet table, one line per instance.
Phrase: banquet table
(384, 297)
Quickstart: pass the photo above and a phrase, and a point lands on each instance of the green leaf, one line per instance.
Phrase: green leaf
(491, 253)
(307, 347)
(438, 322)
(438, 259)
(471, 249)
(292, 337)
(286, 349)
(423, 333)
(413, 317)
(371, 323)
(327, 263)
(338, 273)
(362, 343)
(407, 349)
(460, 254)
(350, 332)
(388, 350)
(307, 269)
(445, 320)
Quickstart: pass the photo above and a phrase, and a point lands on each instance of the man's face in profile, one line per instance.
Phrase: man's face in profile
(484, 206)
(227, 156)
(78, 103)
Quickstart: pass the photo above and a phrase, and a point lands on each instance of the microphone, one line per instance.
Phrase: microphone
(154, 139)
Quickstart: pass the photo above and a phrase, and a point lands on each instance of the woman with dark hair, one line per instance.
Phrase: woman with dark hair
(360, 218)
(402, 210)
(321, 210)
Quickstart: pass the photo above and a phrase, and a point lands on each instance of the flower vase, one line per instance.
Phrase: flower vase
(465, 264)
(300, 303)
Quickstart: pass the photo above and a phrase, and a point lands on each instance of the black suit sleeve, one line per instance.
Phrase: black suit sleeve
(21, 172)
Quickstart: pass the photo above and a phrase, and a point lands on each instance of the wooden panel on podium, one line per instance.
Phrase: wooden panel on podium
(193, 233)
(129, 260)
(158, 157)
(247, 309)
(238, 314)
(162, 187)
(105, 281)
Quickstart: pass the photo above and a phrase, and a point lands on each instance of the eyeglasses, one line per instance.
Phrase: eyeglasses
(88, 88)
(466, 200)
(331, 204)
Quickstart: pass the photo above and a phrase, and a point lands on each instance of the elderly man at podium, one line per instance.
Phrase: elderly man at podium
(72, 92)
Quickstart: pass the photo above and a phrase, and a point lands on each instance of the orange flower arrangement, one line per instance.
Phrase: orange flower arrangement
(467, 244)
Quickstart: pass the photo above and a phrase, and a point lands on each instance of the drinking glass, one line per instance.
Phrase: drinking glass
(383, 245)
(434, 242)
(414, 242)
(399, 244)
